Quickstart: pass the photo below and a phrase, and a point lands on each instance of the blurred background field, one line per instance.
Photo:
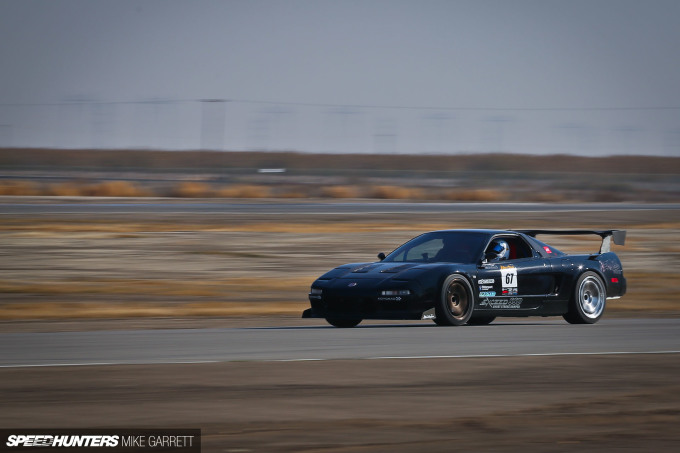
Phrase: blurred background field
(282, 175)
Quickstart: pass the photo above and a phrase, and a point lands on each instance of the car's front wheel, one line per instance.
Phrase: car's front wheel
(345, 323)
(588, 300)
(455, 303)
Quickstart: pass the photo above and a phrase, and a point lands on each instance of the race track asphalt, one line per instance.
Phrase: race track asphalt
(511, 337)
(109, 206)
(529, 385)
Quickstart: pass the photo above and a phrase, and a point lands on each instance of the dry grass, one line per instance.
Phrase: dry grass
(78, 189)
(139, 298)
(186, 189)
(117, 189)
(244, 191)
(648, 293)
(192, 190)
(478, 195)
(80, 310)
(396, 193)
(66, 189)
(19, 188)
(340, 192)
(187, 288)
(295, 192)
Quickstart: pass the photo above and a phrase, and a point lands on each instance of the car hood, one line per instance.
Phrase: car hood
(380, 270)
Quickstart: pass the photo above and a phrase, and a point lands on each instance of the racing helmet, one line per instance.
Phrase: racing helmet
(501, 249)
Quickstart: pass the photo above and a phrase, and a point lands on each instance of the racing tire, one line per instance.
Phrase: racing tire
(588, 300)
(343, 323)
(455, 303)
(439, 322)
(481, 320)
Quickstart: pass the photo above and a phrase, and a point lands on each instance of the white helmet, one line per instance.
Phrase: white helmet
(501, 249)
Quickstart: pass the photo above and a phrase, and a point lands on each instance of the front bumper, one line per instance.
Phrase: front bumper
(366, 307)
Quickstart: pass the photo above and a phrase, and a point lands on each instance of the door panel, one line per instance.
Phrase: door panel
(514, 284)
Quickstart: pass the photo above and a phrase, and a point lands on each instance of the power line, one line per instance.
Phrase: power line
(403, 107)
(355, 106)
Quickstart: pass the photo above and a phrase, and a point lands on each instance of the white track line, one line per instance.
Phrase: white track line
(469, 356)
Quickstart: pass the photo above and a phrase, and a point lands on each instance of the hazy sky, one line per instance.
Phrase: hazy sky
(514, 54)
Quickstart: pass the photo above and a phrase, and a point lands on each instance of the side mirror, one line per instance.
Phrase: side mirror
(381, 256)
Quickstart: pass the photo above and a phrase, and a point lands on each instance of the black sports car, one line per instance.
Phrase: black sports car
(457, 277)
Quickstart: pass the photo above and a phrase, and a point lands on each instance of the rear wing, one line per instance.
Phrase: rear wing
(619, 236)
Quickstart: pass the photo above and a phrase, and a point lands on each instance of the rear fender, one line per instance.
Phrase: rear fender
(611, 272)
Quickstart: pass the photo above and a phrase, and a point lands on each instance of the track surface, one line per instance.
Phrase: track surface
(152, 206)
(320, 342)
(607, 402)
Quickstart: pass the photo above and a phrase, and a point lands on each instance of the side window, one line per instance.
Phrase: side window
(519, 249)
(522, 249)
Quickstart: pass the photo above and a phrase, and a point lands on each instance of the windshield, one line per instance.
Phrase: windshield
(441, 247)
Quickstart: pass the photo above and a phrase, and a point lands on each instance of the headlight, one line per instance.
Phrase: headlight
(316, 291)
(396, 292)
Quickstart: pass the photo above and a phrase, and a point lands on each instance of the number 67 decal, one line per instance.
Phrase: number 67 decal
(509, 279)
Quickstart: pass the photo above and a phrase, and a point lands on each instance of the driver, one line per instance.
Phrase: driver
(500, 249)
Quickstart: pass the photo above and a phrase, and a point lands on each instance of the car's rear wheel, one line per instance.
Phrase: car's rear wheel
(588, 301)
(455, 303)
(342, 322)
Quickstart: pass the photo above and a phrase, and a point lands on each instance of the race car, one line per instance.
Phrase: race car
(458, 277)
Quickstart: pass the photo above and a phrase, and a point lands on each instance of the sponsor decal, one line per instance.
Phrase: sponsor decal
(547, 249)
(394, 298)
(487, 294)
(509, 292)
(486, 281)
(429, 314)
(510, 303)
(485, 287)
